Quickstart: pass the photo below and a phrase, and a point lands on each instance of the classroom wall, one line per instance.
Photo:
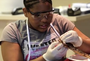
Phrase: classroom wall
(67, 2)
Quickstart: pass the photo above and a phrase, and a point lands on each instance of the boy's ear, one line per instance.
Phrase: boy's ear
(25, 11)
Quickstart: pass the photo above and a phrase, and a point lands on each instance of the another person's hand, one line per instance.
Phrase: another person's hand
(55, 51)
(71, 37)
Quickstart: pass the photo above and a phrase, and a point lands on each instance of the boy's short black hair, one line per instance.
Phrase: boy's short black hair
(29, 3)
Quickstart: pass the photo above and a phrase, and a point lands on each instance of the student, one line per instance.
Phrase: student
(36, 39)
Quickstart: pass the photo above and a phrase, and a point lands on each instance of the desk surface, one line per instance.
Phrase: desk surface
(11, 17)
(18, 17)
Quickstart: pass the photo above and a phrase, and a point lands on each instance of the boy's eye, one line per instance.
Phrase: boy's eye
(37, 14)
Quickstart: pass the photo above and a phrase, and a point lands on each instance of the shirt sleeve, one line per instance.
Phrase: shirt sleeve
(62, 24)
(9, 33)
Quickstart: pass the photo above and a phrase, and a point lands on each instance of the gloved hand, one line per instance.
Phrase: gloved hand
(55, 51)
(71, 37)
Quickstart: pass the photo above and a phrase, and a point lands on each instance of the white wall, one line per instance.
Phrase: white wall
(67, 2)
(10, 5)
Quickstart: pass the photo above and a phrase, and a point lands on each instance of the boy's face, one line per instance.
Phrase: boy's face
(40, 16)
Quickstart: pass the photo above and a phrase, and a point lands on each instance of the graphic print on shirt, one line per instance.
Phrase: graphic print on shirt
(25, 48)
(39, 48)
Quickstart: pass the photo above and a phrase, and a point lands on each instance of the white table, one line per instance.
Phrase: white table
(12, 17)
